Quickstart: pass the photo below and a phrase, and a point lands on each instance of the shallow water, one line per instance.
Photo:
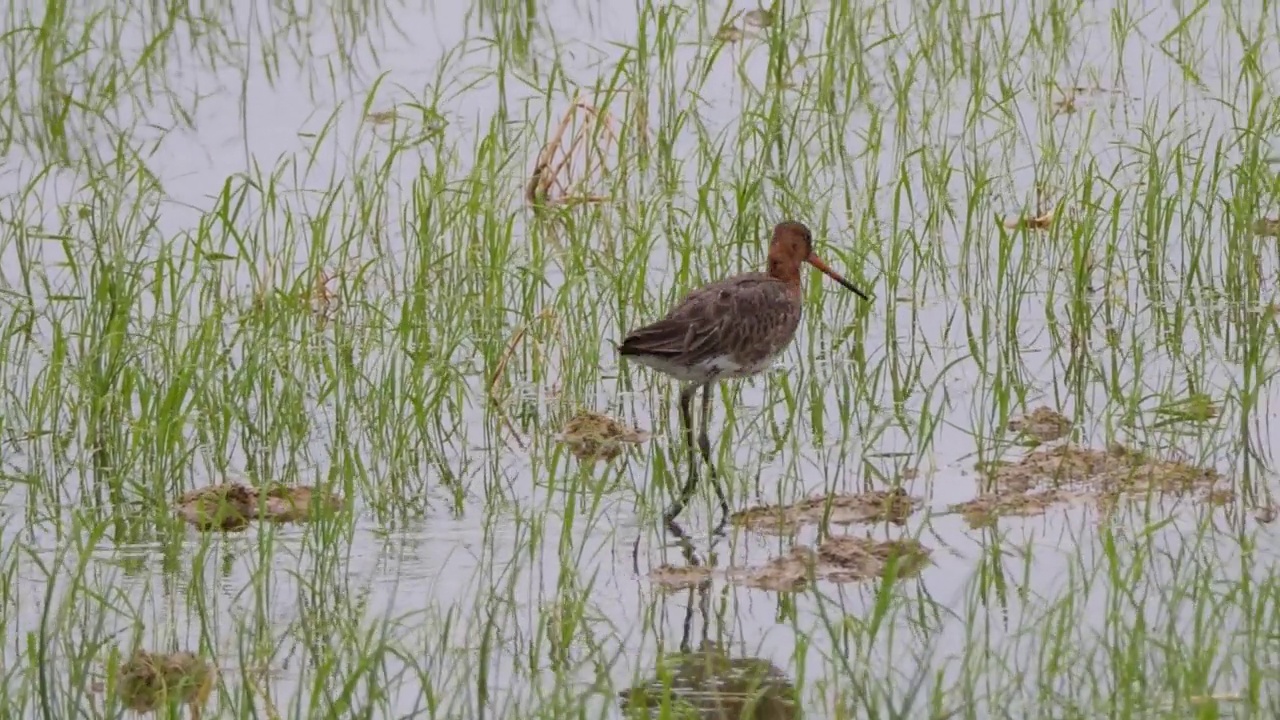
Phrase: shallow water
(454, 596)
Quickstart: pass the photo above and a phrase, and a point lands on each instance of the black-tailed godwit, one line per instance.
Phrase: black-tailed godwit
(728, 329)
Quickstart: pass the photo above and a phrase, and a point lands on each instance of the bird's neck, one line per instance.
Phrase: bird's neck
(786, 271)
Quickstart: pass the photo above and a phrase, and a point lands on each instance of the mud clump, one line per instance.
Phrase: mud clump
(984, 510)
(227, 507)
(592, 436)
(1116, 469)
(1041, 425)
(230, 507)
(680, 577)
(890, 506)
(297, 503)
(839, 560)
(148, 681)
(729, 34)
(1068, 473)
(758, 18)
(785, 573)
(853, 559)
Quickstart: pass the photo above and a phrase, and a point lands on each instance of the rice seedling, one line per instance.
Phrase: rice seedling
(373, 261)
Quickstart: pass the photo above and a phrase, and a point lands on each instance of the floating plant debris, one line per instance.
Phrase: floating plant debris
(1116, 469)
(840, 560)
(784, 573)
(296, 503)
(853, 559)
(1030, 222)
(592, 436)
(729, 34)
(148, 681)
(226, 506)
(984, 510)
(1073, 95)
(876, 506)
(680, 577)
(380, 117)
(1043, 424)
(232, 506)
(1069, 473)
(566, 173)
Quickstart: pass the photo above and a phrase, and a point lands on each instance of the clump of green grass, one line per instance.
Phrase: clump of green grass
(1056, 205)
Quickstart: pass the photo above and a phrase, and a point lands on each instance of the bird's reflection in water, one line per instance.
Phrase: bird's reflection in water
(707, 682)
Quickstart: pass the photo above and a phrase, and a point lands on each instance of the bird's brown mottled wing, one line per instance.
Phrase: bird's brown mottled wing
(748, 316)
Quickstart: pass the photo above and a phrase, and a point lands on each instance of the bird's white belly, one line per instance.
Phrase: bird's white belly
(719, 366)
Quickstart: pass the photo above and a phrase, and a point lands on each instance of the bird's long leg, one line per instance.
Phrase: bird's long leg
(704, 444)
(687, 394)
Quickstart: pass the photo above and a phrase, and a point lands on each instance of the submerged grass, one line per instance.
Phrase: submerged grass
(296, 248)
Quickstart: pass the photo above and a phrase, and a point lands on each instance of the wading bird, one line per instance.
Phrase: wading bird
(728, 329)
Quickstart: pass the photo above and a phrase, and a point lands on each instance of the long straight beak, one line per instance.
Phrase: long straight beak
(817, 262)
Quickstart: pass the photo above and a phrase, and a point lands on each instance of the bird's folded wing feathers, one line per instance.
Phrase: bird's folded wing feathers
(702, 324)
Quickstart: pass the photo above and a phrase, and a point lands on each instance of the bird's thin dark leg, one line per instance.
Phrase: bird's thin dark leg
(704, 444)
(687, 394)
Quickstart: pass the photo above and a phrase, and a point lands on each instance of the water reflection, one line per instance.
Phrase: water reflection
(708, 682)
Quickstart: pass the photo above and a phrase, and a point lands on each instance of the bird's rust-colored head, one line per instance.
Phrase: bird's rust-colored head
(792, 245)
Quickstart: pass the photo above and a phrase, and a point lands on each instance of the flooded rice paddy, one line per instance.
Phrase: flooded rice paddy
(313, 409)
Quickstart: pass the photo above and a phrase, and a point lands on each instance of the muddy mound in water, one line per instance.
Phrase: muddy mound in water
(838, 560)
(681, 577)
(983, 510)
(1044, 424)
(232, 506)
(148, 681)
(592, 436)
(891, 506)
(1114, 470)
(1069, 473)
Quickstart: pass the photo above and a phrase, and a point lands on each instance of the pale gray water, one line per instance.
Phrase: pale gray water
(417, 571)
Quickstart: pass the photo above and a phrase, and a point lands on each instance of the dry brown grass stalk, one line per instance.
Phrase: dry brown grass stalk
(563, 174)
